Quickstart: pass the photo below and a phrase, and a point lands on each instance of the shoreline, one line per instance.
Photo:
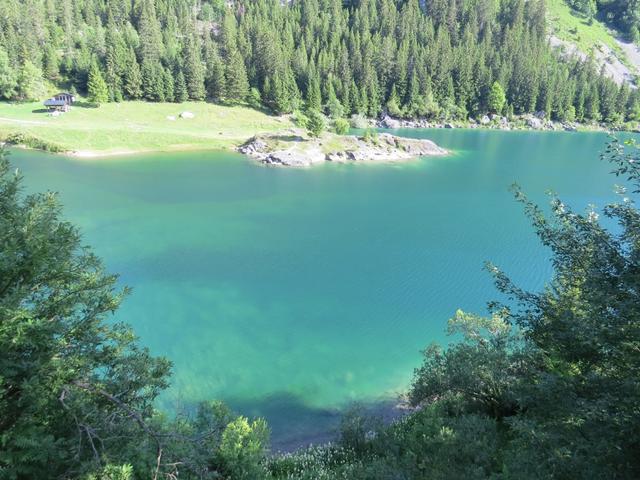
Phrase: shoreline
(99, 154)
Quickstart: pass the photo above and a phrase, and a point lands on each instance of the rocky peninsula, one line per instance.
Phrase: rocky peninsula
(294, 148)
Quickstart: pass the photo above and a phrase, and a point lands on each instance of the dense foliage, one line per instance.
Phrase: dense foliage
(433, 58)
(76, 390)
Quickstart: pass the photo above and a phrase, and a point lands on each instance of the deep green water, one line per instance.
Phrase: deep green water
(290, 293)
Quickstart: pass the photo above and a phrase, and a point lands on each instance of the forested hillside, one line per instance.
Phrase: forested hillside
(436, 59)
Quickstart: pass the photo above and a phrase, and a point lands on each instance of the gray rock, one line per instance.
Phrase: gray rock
(389, 122)
(286, 151)
(534, 122)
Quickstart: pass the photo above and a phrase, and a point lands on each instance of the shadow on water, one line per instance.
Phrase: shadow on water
(296, 425)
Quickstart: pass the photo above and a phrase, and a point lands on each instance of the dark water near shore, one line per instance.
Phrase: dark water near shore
(290, 293)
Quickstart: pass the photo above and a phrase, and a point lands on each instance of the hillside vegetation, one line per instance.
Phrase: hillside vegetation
(433, 59)
(586, 33)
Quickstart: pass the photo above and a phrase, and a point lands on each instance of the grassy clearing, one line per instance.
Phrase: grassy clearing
(568, 26)
(130, 127)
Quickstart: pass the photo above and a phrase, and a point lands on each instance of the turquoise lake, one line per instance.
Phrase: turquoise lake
(291, 293)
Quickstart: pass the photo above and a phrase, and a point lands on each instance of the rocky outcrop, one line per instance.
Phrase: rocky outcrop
(294, 149)
(535, 121)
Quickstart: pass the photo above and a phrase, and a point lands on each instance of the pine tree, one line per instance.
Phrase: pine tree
(97, 90)
(168, 85)
(194, 72)
(334, 107)
(215, 76)
(276, 97)
(8, 80)
(150, 33)
(29, 82)
(152, 81)
(51, 63)
(132, 77)
(314, 96)
(236, 82)
(116, 63)
(180, 91)
(393, 104)
(497, 98)
(316, 123)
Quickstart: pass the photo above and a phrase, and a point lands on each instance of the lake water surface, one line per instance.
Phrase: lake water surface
(290, 293)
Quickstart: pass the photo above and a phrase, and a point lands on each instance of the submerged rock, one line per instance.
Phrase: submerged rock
(293, 149)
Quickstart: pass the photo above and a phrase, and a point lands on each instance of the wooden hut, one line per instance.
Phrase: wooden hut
(61, 102)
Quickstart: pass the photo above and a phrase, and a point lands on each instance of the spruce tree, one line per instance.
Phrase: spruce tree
(168, 85)
(97, 90)
(132, 77)
(151, 45)
(236, 82)
(315, 125)
(180, 90)
(215, 76)
(193, 70)
(334, 107)
(8, 81)
(314, 96)
(497, 98)
(29, 82)
(393, 104)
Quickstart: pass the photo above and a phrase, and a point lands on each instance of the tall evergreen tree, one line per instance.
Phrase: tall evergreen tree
(236, 82)
(180, 91)
(194, 71)
(497, 98)
(97, 90)
(132, 77)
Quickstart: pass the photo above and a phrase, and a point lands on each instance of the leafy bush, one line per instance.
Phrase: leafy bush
(21, 138)
(316, 124)
(341, 126)
(243, 447)
(300, 119)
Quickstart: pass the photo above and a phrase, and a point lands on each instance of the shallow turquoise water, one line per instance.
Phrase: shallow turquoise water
(292, 292)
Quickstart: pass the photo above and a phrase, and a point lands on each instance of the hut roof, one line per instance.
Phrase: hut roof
(52, 102)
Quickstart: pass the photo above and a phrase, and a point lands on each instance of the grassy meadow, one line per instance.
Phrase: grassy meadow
(129, 127)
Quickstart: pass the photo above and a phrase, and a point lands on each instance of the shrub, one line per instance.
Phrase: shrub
(341, 126)
(243, 447)
(21, 138)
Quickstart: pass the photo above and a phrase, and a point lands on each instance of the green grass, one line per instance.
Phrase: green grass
(571, 27)
(130, 127)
